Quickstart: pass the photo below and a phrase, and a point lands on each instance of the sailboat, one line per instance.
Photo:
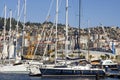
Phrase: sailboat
(12, 64)
(71, 69)
(5, 51)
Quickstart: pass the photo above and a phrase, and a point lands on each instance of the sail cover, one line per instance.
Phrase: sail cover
(11, 51)
(5, 51)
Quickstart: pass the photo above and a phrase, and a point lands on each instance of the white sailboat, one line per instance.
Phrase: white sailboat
(35, 65)
(13, 64)
(11, 46)
(5, 50)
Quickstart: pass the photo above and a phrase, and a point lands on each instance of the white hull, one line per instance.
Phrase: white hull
(34, 68)
(22, 68)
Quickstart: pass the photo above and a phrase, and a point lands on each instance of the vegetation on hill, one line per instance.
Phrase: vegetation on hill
(110, 32)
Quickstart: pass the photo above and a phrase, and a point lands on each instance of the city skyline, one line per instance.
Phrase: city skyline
(93, 12)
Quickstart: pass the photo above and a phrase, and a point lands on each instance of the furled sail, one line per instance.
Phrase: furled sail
(5, 51)
(11, 51)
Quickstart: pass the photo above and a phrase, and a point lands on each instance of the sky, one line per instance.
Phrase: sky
(93, 12)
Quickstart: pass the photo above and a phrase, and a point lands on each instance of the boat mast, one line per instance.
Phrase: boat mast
(10, 25)
(79, 24)
(5, 8)
(10, 33)
(4, 52)
(66, 43)
(18, 15)
(79, 15)
(88, 41)
(23, 42)
(56, 30)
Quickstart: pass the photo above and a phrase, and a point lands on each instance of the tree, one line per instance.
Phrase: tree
(103, 57)
(112, 57)
(72, 55)
(82, 56)
(91, 56)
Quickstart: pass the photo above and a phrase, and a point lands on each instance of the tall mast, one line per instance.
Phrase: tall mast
(56, 30)
(10, 24)
(24, 26)
(10, 34)
(88, 41)
(4, 52)
(18, 15)
(79, 21)
(5, 7)
(66, 43)
(79, 15)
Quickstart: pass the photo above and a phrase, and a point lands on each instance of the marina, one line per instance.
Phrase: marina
(52, 50)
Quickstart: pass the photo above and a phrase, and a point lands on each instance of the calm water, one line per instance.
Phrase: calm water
(27, 77)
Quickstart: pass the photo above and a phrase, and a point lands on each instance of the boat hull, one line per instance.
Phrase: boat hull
(70, 72)
(14, 69)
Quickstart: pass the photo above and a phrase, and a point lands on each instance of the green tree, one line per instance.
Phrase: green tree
(91, 56)
(103, 57)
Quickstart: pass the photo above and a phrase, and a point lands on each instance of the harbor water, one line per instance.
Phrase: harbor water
(10, 76)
